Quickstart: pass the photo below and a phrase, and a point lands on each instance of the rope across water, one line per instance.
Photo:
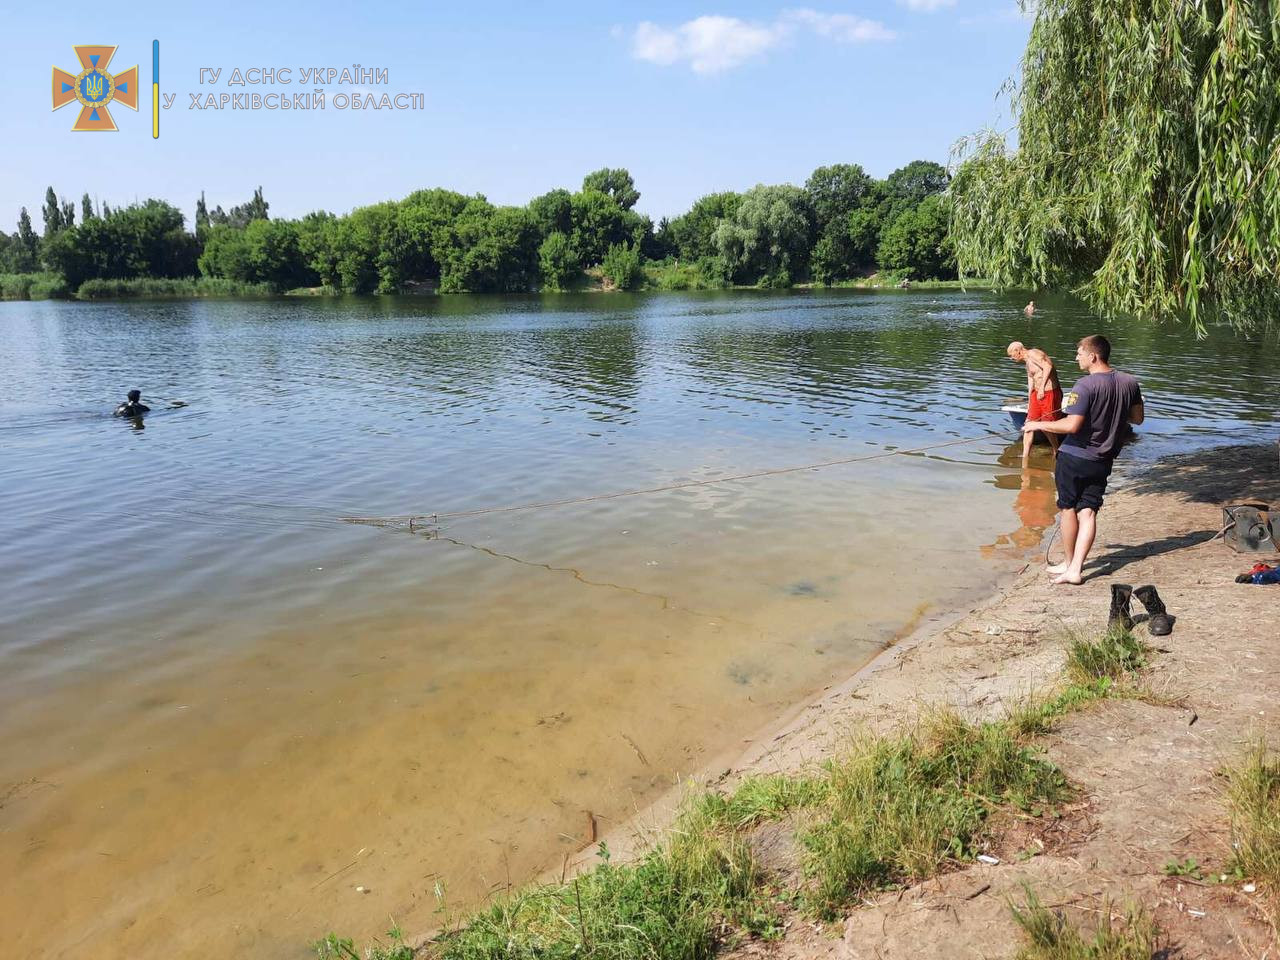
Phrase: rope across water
(681, 485)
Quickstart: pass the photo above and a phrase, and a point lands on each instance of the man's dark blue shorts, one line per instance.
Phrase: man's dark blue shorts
(1081, 483)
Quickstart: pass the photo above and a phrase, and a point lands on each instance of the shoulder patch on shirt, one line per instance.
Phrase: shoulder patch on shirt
(1072, 399)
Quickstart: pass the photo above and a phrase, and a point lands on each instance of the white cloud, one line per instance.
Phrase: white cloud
(926, 6)
(841, 26)
(713, 44)
(709, 44)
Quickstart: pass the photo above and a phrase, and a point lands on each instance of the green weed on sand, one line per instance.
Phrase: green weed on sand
(1115, 655)
(672, 904)
(1253, 796)
(1050, 937)
(899, 807)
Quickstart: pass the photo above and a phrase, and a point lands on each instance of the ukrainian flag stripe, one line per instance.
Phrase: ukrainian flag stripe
(155, 89)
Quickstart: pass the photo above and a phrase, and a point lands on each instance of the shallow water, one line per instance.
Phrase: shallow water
(223, 708)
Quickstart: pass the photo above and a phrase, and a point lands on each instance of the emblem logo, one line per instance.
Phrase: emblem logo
(95, 88)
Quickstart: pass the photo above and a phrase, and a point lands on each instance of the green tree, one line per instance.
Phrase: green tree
(242, 214)
(226, 253)
(75, 254)
(316, 232)
(488, 249)
(52, 212)
(615, 184)
(835, 192)
(421, 222)
(691, 233)
(833, 255)
(1145, 171)
(158, 244)
(664, 244)
(640, 230)
(621, 266)
(863, 228)
(767, 239)
(357, 242)
(553, 212)
(598, 224)
(26, 252)
(265, 251)
(558, 262)
(255, 209)
(917, 180)
(916, 242)
(202, 218)
(141, 240)
(275, 255)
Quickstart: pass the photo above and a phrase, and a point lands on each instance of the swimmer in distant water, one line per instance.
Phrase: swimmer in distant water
(133, 406)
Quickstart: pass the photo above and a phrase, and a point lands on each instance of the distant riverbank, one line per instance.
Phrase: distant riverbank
(657, 277)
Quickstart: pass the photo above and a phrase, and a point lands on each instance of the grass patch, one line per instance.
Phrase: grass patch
(1038, 714)
(672, 904)
(334, 947)
(1253, 797)
(1050, 937)
(167, 287)
(758, 799)
(890, 279)
(33, 286)
(705, 274)
(1117, 654)
(899, 807)
(320, 291)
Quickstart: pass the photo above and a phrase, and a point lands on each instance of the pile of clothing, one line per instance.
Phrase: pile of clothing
(1261, 573)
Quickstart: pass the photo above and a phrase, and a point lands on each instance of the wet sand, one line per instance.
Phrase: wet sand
(240, 799)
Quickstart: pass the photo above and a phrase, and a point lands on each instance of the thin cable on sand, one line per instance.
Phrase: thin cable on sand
(682, 485)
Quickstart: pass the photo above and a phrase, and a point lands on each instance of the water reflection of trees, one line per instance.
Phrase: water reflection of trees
(599, 365)
(915, 360)
(828, 371)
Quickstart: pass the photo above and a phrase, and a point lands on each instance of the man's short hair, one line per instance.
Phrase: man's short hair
(1097, 343)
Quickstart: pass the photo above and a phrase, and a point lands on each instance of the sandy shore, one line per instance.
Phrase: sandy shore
(1148, 773)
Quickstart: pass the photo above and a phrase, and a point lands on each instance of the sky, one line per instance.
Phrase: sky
(518, 98)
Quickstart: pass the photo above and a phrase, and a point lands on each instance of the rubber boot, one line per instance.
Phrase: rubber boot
(1119, 616)
(1160, 622)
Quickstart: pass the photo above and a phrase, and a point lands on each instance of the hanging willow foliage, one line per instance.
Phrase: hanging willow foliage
(1147, 171)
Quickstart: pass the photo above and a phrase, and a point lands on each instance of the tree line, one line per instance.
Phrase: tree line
(1155, 195)
(842, 224)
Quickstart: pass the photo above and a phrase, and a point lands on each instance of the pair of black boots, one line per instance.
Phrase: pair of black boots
(1159, 620)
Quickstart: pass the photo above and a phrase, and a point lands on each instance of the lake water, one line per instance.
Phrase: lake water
(222, 707)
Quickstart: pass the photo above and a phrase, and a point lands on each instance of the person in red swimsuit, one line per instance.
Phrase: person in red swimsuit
(1044, 392)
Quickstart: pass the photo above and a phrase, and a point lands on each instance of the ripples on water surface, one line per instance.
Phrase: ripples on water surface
(217, 694)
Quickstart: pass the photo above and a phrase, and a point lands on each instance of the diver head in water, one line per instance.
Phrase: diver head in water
(133, 406)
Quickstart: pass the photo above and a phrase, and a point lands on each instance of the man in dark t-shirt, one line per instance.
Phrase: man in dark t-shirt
(1098, 411)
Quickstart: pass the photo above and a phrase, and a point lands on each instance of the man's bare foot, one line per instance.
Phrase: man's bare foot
(1056, 568)
(1072, 578)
